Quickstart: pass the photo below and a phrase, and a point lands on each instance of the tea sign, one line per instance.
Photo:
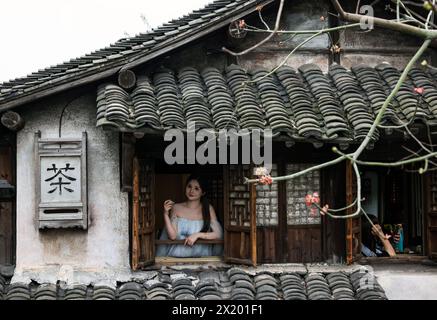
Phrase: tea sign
(61, 182)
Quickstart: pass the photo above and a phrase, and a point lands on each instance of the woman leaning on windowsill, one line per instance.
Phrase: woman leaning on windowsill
(191, 220)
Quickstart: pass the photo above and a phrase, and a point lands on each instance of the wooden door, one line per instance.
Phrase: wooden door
(431, 214)
(353, 225)
(239, 215)
(7, 208)
(143, 215)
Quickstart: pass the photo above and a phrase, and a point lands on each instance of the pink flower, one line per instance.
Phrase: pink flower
(419, 90)
(308, 200)
(266, 180)
(316, 198)
(313, 211)
(311, 199)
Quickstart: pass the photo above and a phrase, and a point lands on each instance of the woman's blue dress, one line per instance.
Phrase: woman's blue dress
(187, 227)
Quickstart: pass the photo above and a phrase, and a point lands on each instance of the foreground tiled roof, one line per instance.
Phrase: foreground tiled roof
(303, 103)
(234, 284)
(127, 50)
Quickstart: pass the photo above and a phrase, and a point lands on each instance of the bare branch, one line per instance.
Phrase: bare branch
(262, 20)
(278, 20)
(413, 153)
(397, 11)
(318, 33)
(358, 211)
(387, 101)
(428, 19)
(300, 173)
(384, 23)
(253, 29)
(385, 164)
(430, 6)
(357, 7)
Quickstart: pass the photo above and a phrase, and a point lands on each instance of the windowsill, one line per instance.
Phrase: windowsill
(174, 260)
(399, 258)
(200, 241)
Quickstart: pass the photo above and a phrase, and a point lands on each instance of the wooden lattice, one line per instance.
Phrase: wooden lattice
(143, 214)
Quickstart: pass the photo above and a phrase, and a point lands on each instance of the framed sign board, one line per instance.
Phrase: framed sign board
(61, 182)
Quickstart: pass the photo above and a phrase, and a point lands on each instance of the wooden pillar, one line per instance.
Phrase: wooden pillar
(135, 214)
(253, 223)
(349, 199)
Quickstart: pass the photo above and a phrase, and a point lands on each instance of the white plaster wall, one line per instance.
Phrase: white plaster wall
(104, 247)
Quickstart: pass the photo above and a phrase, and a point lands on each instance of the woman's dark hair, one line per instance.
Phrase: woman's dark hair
(206, 215)
(367, 238)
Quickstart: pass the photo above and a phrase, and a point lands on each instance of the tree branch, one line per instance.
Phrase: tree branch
(388, 24)
(387, 101)
(385, 164)
(300, 173)
(278, 20)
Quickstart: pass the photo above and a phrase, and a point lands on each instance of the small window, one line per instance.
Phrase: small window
(267, 202)
(297, 211)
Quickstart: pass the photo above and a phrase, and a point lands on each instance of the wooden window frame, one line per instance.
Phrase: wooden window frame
(148, 250)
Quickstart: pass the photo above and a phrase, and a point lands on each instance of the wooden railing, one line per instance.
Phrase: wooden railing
(200, 241)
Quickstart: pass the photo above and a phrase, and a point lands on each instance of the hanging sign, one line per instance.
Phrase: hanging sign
(61, 182)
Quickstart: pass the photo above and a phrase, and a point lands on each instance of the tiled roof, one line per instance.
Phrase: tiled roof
(301, 104)
(233, 284)
(127, 50)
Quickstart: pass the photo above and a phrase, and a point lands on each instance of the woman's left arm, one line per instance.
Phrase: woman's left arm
(215, 234)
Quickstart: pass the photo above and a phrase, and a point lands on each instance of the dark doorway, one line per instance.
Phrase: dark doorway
(7, 199)
(396, 197)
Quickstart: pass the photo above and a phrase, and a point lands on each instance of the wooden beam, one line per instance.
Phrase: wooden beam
(239, 261)
(127, 79)
(12, 120)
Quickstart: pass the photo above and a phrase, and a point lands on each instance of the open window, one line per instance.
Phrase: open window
(396, 198)
(154, 182)
(170, 184)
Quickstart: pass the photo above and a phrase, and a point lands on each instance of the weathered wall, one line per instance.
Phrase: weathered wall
(105, 245)
(370, 47)
(297, 15)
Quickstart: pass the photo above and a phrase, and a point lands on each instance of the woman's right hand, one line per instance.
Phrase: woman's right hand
(168, 205)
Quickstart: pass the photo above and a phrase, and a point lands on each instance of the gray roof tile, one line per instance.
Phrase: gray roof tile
(339, 106)
(204, 285)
